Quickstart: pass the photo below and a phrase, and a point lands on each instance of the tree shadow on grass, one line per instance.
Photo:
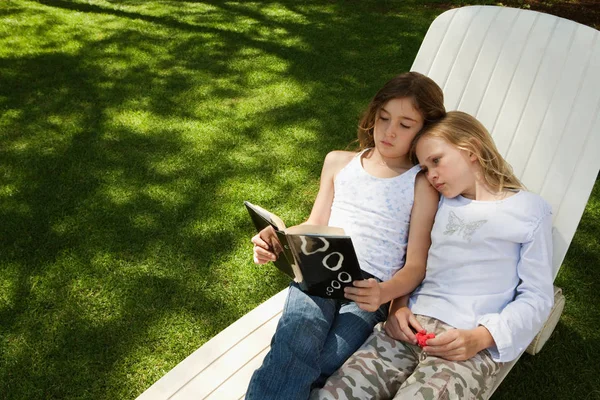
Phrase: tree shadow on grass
(115, 173)
(90, 208)
(87, 206)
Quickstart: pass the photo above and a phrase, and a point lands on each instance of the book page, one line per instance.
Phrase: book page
(307, 229)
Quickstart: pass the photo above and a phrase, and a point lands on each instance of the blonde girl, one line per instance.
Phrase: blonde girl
(488, 286)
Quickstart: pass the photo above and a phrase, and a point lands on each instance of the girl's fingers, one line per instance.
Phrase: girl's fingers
(443, 338)
(363, 288)
(441, 348)
(259, 260)
(357, 292)
(262, 253)
(362, 303)
(262, 256)
(267, 239)
(358, 299)
(414, 323)
(409, 334)
(436, 350)
(350, 296)
(395, 331)
(365, 283)
(397, 326)
(391, 327)
(269, 231)
(351, 290)
(269, 236)
(401, 336)
(258, 241)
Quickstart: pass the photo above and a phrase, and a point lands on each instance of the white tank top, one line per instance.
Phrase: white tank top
(375, 212)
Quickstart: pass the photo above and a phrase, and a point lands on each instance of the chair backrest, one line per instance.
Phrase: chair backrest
(534, 81)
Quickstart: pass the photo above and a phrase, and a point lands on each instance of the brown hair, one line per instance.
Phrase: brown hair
(426, 96)
(467, 133)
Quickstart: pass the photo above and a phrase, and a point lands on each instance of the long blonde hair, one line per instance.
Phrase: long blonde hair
(426, 96)
(467, 133)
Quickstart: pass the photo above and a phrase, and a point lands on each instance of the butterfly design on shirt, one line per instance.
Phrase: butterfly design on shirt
(458, 225)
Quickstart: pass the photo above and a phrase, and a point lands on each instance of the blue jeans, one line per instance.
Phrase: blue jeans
(313, 339)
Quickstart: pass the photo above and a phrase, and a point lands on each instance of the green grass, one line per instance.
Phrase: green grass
(130, 134)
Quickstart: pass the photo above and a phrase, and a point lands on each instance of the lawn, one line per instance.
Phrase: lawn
(131, 132)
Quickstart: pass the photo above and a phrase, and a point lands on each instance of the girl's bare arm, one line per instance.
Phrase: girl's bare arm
(263, 251)
(334, 162)
(419, 240)
(370, 294)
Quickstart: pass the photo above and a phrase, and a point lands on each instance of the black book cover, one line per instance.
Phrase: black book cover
(328, 263)
(320, 258)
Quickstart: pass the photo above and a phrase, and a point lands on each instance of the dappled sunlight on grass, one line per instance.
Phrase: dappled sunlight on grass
(130, 135)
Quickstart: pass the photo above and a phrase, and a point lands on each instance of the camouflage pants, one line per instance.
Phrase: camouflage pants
(384, 368)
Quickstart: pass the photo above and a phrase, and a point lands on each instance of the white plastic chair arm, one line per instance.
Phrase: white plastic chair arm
(540, 339)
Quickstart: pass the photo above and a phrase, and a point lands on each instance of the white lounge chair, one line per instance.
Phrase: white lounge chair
(534, 82)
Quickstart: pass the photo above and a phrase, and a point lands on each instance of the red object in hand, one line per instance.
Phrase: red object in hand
(423, 336)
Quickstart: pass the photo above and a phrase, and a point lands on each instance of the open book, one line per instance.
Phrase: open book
(320, 258)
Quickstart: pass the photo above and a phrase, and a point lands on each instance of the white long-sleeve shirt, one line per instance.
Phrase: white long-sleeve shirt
(490, 264)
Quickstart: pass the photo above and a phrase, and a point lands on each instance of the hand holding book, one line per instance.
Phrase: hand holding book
(266, 246)
(366, 293)
(320, 258)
